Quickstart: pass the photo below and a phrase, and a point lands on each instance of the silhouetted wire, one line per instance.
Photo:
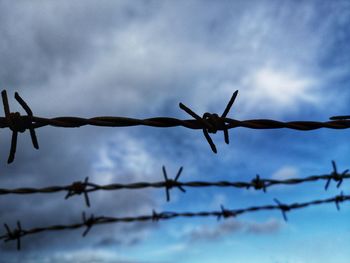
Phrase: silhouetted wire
(19, 232)
(85, 187)
(208, 123)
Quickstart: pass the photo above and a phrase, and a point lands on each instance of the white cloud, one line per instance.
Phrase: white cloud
(170, 249)
(125, 154)
(82, 256)
(285, 172)
(218, 199)
(276, 91)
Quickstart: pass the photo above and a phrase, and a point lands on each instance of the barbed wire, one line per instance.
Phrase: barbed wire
(85, 187)
(208, 123)
(17, 233)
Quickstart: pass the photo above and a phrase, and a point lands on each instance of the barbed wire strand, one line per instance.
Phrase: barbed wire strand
(208, 123)
(19, 232)
(85, 187)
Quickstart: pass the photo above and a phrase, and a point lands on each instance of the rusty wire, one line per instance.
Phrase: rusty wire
(85, 187)
(19, 232)
(208, 123)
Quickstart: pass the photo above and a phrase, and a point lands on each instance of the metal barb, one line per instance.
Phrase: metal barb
(226, 111)
(78, 188)
(258, 183)
(88, 223)
(170, 183)
(155, 216)
(30, 114)
(16, 234)
(204, 122)
(338, 199)
(336, 176)
(225, 213)
(18, 123)
(284, 208)
(212, 122)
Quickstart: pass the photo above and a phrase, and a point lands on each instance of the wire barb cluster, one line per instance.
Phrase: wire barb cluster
(15, 234)
(224, 213)
(336, 176)
(208, 123)
(85, 187)
(212, 122)
(78, 188)
(170, 183)
(89, 223)
(18, 123)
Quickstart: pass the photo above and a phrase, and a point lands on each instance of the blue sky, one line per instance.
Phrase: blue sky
(288, 59)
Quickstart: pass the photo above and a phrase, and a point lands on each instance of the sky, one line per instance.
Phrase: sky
(289, 60)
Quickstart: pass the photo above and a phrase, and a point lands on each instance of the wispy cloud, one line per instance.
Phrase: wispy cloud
(285, 172)
(271, 89)
(79, 256)
(170, 249)
(229, 227)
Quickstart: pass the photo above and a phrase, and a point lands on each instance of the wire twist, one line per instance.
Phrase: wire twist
(18, 233)
(85, 187)
(208, 123)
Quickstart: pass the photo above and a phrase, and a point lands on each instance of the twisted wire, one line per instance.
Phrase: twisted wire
(208, 123)
(19, 232)
(85, 187)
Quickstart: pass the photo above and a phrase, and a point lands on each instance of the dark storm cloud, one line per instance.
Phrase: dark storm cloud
(38, 42)
(39, 38)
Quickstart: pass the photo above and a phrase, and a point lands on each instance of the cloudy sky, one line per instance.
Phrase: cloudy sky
(289, 60)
